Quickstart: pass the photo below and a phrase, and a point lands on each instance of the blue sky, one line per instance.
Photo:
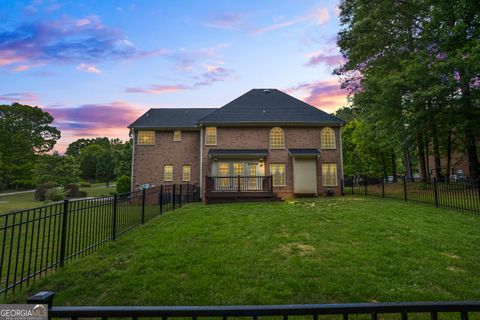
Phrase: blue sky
(96, 65)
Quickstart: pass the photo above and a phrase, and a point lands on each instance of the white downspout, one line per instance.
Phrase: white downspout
(133, 161)
(341, 154)
(201, 162)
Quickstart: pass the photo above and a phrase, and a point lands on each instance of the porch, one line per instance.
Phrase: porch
(220, 189)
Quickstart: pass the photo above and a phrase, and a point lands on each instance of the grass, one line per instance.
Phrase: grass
(308, 251)
(26, 200)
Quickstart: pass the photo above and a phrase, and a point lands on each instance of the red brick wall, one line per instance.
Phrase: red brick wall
(295, 137)
(150, 160)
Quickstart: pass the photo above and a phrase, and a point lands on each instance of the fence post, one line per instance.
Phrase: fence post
(63, 239)
(180, 197)
(114, 218)
(173, 197)
(383, 187)
(161, 199)
(435, 190)
(405, 187)
(365, 183)
(143, 206)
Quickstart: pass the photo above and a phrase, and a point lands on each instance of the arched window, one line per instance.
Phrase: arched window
(277, 138)
(328, 138)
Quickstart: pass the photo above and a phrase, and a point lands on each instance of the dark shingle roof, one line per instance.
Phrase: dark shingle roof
(269, 106)
(243, 152)
(303, 152)
(170, 118)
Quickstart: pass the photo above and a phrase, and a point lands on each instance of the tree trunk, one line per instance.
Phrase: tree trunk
(436, 153)
(384, 166)
(107, 183)
(394, 166)
(407, 163)
(449, 155)
(421, 156)
(426, 143)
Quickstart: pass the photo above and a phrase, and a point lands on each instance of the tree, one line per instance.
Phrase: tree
(89, 160)
(74, 149)
(105, 169)
(61, 169)
(122, 158)
(25, 132)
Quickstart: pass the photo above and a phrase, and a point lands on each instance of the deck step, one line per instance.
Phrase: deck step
(225, 197)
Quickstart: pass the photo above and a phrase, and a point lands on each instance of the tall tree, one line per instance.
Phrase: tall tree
(25, 132)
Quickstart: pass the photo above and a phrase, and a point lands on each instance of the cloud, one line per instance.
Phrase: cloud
(66, 40)
(317, 16)
(88, 68)
(212, 75)
(187, 60)
(90, 119)
(229, 21)
(157, 89)
(326, 95)
(20, 97)
(319, 57)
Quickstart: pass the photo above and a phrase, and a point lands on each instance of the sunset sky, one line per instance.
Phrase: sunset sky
(97, 65)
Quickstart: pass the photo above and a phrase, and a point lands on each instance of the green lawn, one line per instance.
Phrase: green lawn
(26, 200)
(307, 251)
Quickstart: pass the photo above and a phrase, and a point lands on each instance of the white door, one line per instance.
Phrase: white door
(305, 176)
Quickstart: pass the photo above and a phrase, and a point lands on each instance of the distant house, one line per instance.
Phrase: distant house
(264, 144)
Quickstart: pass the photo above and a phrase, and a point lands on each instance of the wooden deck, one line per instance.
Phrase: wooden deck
(225, 197)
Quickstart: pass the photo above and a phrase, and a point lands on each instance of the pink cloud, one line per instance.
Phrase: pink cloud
(319, 57)
(20, 97)
(88, 68)
(226, 21)
(326, 95)
(317, 16)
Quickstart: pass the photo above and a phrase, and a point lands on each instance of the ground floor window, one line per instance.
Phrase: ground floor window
(329, 174)
(186, 173)
(168, 172)
(277, 170)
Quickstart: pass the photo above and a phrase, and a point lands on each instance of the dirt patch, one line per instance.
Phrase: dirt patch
(455, 269)
(450, 255)
(296, 249)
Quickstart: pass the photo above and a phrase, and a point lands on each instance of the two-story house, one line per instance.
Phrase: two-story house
(264, 144)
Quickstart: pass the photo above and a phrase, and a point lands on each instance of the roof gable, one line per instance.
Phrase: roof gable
(270, 106)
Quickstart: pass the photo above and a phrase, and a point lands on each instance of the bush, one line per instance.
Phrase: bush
(123, 184)
(71, 190)
(85, 184)
(81, 194)
(24, 184)
(54, 194)
(41, 191)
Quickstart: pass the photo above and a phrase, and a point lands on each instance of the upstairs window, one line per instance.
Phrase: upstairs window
(277, 138)
(277, 170)
(328, 138)
(329, 174)
(146, 138)
(210, 136)
(168, 172)
(177, 135)
(186, 173)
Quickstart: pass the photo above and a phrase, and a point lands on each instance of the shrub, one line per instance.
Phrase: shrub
(81, 194)
(85, 184)
(123, 184)
(54, 194)
(24, 184)
(41, 191)
(71, 190)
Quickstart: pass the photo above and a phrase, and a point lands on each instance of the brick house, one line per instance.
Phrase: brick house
(264, 144)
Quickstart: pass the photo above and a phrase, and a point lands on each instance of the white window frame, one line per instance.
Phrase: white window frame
(165, 178)
(207, 142)
(325, 178)
(189, 172)
(276, 165)
(177, 135)
(275, 131)
(140, 139)
(323, 139)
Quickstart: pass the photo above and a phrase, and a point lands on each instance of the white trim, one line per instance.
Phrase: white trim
(341, 154)
(133, 161)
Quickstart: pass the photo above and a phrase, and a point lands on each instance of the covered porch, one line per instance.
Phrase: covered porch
(238, 174)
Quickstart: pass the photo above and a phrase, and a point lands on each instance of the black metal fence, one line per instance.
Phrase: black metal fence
(312, 311)
(36, 241)
(460, 194)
